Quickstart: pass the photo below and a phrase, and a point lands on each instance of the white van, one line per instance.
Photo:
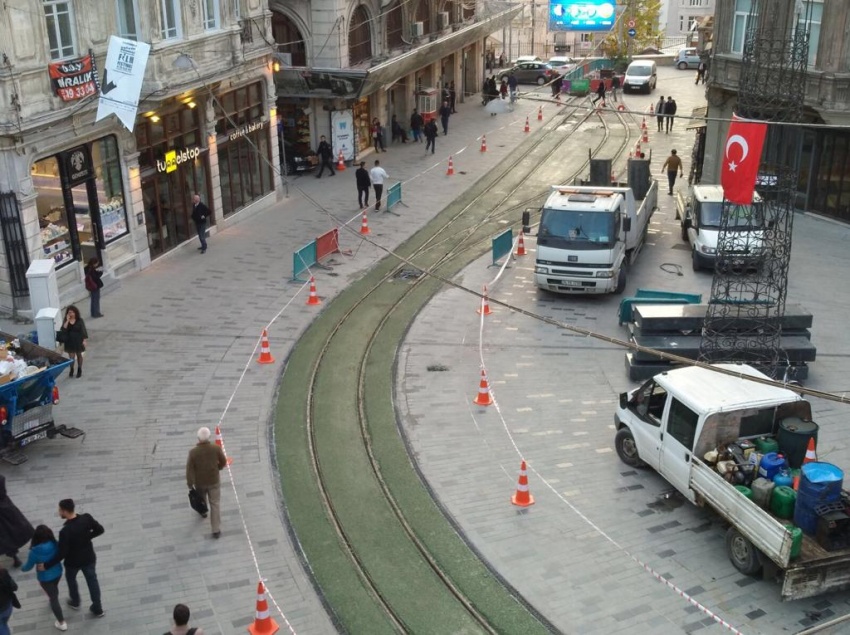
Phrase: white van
(641, 75)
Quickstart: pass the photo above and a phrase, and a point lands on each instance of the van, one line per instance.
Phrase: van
(641, 76)
(687, 58)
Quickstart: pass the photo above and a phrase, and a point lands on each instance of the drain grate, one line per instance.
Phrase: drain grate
(409, 274)
(437, 368)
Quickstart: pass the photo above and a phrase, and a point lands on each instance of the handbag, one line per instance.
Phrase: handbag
(197, 502)
(60, 336)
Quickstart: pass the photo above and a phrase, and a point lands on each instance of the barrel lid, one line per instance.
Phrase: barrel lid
(798, 426)
(818, 472)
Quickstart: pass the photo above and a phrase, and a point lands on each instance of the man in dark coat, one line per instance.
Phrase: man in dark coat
(416, 123)
(600, 93)
(669, 113)
(363, 184)
(326, 154)
(445, 113)
(15, 529)
(452, 97)
(431, 136)
(659, 113)
(200, 214)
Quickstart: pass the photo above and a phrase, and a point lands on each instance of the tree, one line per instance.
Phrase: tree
(618, 45)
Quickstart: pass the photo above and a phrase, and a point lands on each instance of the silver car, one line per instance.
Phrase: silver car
(530, 73)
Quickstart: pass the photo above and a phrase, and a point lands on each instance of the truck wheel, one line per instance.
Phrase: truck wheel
(742, 553)
(626, 448)
(695, 260)
(621, 280)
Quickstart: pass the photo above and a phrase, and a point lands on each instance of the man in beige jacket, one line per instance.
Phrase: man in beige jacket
(205, 462)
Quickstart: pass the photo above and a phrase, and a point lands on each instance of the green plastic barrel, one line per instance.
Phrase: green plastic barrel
(746, 491)
(766, 444)
(796, 540)
(782, 501)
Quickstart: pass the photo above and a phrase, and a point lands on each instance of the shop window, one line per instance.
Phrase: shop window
(812, 14)
(210, 14)
(60, 28)
(362, 123)
(110, 188)
(171, 26)
(128, 19)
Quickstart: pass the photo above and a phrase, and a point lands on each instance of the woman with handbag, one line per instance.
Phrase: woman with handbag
(8, 600)
(74, 336)
(94, 284)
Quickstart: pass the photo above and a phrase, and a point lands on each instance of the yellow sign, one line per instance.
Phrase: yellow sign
(170, 161)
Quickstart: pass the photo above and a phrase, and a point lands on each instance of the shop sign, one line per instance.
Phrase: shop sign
(76, 165)
(246, 129)
(173, 158)
(342, 133)
(74, 79)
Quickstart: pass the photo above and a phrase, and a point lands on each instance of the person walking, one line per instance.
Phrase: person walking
(670, 113)
(378, 135)
(513, 85)
(600, 92)
(94, 283)
(452, 96)
(399, 133)
(701, 69)
(557, 83)
(326, 155)
(503, 88)
(43, 549)
(74, 336)
(200, 214)
(181, 622)
(363, 183)
(203, 465)
(8, 600)
(77, 552)
(615, 86)
(431, 136)
(15, 529)
(416, 123)
(378, 175)
(659, 113)
(672, 165)
(445, 113)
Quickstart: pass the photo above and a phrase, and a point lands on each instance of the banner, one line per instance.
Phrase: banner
(342, 133)
(741, 159)
(73, 79)
(121, 83)
(582, 15)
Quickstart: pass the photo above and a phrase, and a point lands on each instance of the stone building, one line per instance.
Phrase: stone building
(823, 185)
(343, 63)
(204, 125)
(681, 17)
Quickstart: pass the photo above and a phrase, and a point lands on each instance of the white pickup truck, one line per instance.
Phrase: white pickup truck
(675, 418)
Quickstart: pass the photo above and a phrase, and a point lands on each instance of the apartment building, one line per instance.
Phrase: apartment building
(680, 17)
(72, 188)
(824, 157)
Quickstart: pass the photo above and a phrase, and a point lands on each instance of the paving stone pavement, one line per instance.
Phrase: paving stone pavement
(577, 555)
(167, 358)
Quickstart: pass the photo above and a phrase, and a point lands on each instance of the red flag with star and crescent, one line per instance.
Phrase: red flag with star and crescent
(741, 158)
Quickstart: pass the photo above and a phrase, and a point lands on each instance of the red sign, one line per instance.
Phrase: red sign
(74, 79)
(741, 159)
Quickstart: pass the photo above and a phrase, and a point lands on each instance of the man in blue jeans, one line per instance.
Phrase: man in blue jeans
(76, 550)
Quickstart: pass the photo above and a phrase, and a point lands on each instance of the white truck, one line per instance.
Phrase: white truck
(670, 423)
(589, 235)
(699, 213)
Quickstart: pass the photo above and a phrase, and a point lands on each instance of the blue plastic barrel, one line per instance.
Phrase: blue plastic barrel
(820, 483)
(770, 465)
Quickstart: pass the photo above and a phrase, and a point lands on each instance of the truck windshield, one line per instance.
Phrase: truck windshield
(744, 217)
(576, 230)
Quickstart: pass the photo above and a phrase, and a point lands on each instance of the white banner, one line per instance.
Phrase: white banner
(342, 133)
(122, 79)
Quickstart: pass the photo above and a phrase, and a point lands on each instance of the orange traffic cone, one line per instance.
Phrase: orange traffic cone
(520, 248)
(484, 143)
(631, 154)
(811, 456)
(643, 123)
(313, 299)
(645, 137)
(527, 127)
(486, 305)
(637, 148)
(263, 622)
(651, 109)
(483, 398)
(540, 113)
(364, 225)
(340, 163)
(522, 497)
(265, 354)
(451, 169)
(220, 442)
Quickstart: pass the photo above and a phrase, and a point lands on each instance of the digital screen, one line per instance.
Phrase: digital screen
(581, 15)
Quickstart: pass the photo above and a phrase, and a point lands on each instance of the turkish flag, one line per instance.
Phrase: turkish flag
(741, 159)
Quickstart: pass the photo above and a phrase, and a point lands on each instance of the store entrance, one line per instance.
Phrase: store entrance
(168, 207)
(86, 217)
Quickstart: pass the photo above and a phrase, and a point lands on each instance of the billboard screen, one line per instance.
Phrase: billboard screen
(581, 15)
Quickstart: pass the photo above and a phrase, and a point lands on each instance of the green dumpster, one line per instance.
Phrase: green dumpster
(579, 87)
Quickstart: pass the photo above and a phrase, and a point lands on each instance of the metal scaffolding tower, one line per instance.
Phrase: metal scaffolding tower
(748, 293)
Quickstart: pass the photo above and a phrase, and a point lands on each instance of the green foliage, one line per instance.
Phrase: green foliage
(618, 46)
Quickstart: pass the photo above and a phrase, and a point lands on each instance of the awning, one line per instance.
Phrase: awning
(698, 118)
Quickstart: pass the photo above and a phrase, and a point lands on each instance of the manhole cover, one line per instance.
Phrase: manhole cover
(408, 274)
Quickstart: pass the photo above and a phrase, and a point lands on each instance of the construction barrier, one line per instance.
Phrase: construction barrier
(303, 259)
(327, 244)
(394, 195)
(502, 245)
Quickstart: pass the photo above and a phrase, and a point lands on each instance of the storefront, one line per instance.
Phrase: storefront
(173, 165)
(294, 117)
(80, 201)
(244, 147)
(363, 124)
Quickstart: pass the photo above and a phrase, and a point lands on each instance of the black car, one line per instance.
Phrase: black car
(296, 161)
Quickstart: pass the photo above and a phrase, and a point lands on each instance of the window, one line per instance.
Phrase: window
(210, 17)
(587, 37)
(650, 400)
(237, 9)
(171, 26)
(60, 28)
(740, 24)
(813, 14)
(682, 424)
(128, 19)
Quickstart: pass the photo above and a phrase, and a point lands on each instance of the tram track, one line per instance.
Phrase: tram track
(380, 548)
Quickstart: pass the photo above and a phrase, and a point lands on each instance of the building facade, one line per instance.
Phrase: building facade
(823, 184)
(680, 17)
(72, 189)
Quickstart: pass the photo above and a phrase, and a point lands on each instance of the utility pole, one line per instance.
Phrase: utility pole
(532, 27)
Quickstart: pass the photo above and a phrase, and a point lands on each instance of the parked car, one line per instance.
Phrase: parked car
(525, 58)
(297, 161)
(562, 64)
(687, 58)
(641, 75)
(530, 73)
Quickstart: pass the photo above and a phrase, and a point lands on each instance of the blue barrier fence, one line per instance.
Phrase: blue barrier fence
(303, 259)
(394, 195)
(502, 244)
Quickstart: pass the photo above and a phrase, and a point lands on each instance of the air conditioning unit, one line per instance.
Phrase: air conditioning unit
(418, 29)
(444, 19)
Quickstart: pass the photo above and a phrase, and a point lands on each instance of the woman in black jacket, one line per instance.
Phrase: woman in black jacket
(75, 335)
(94, 284)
